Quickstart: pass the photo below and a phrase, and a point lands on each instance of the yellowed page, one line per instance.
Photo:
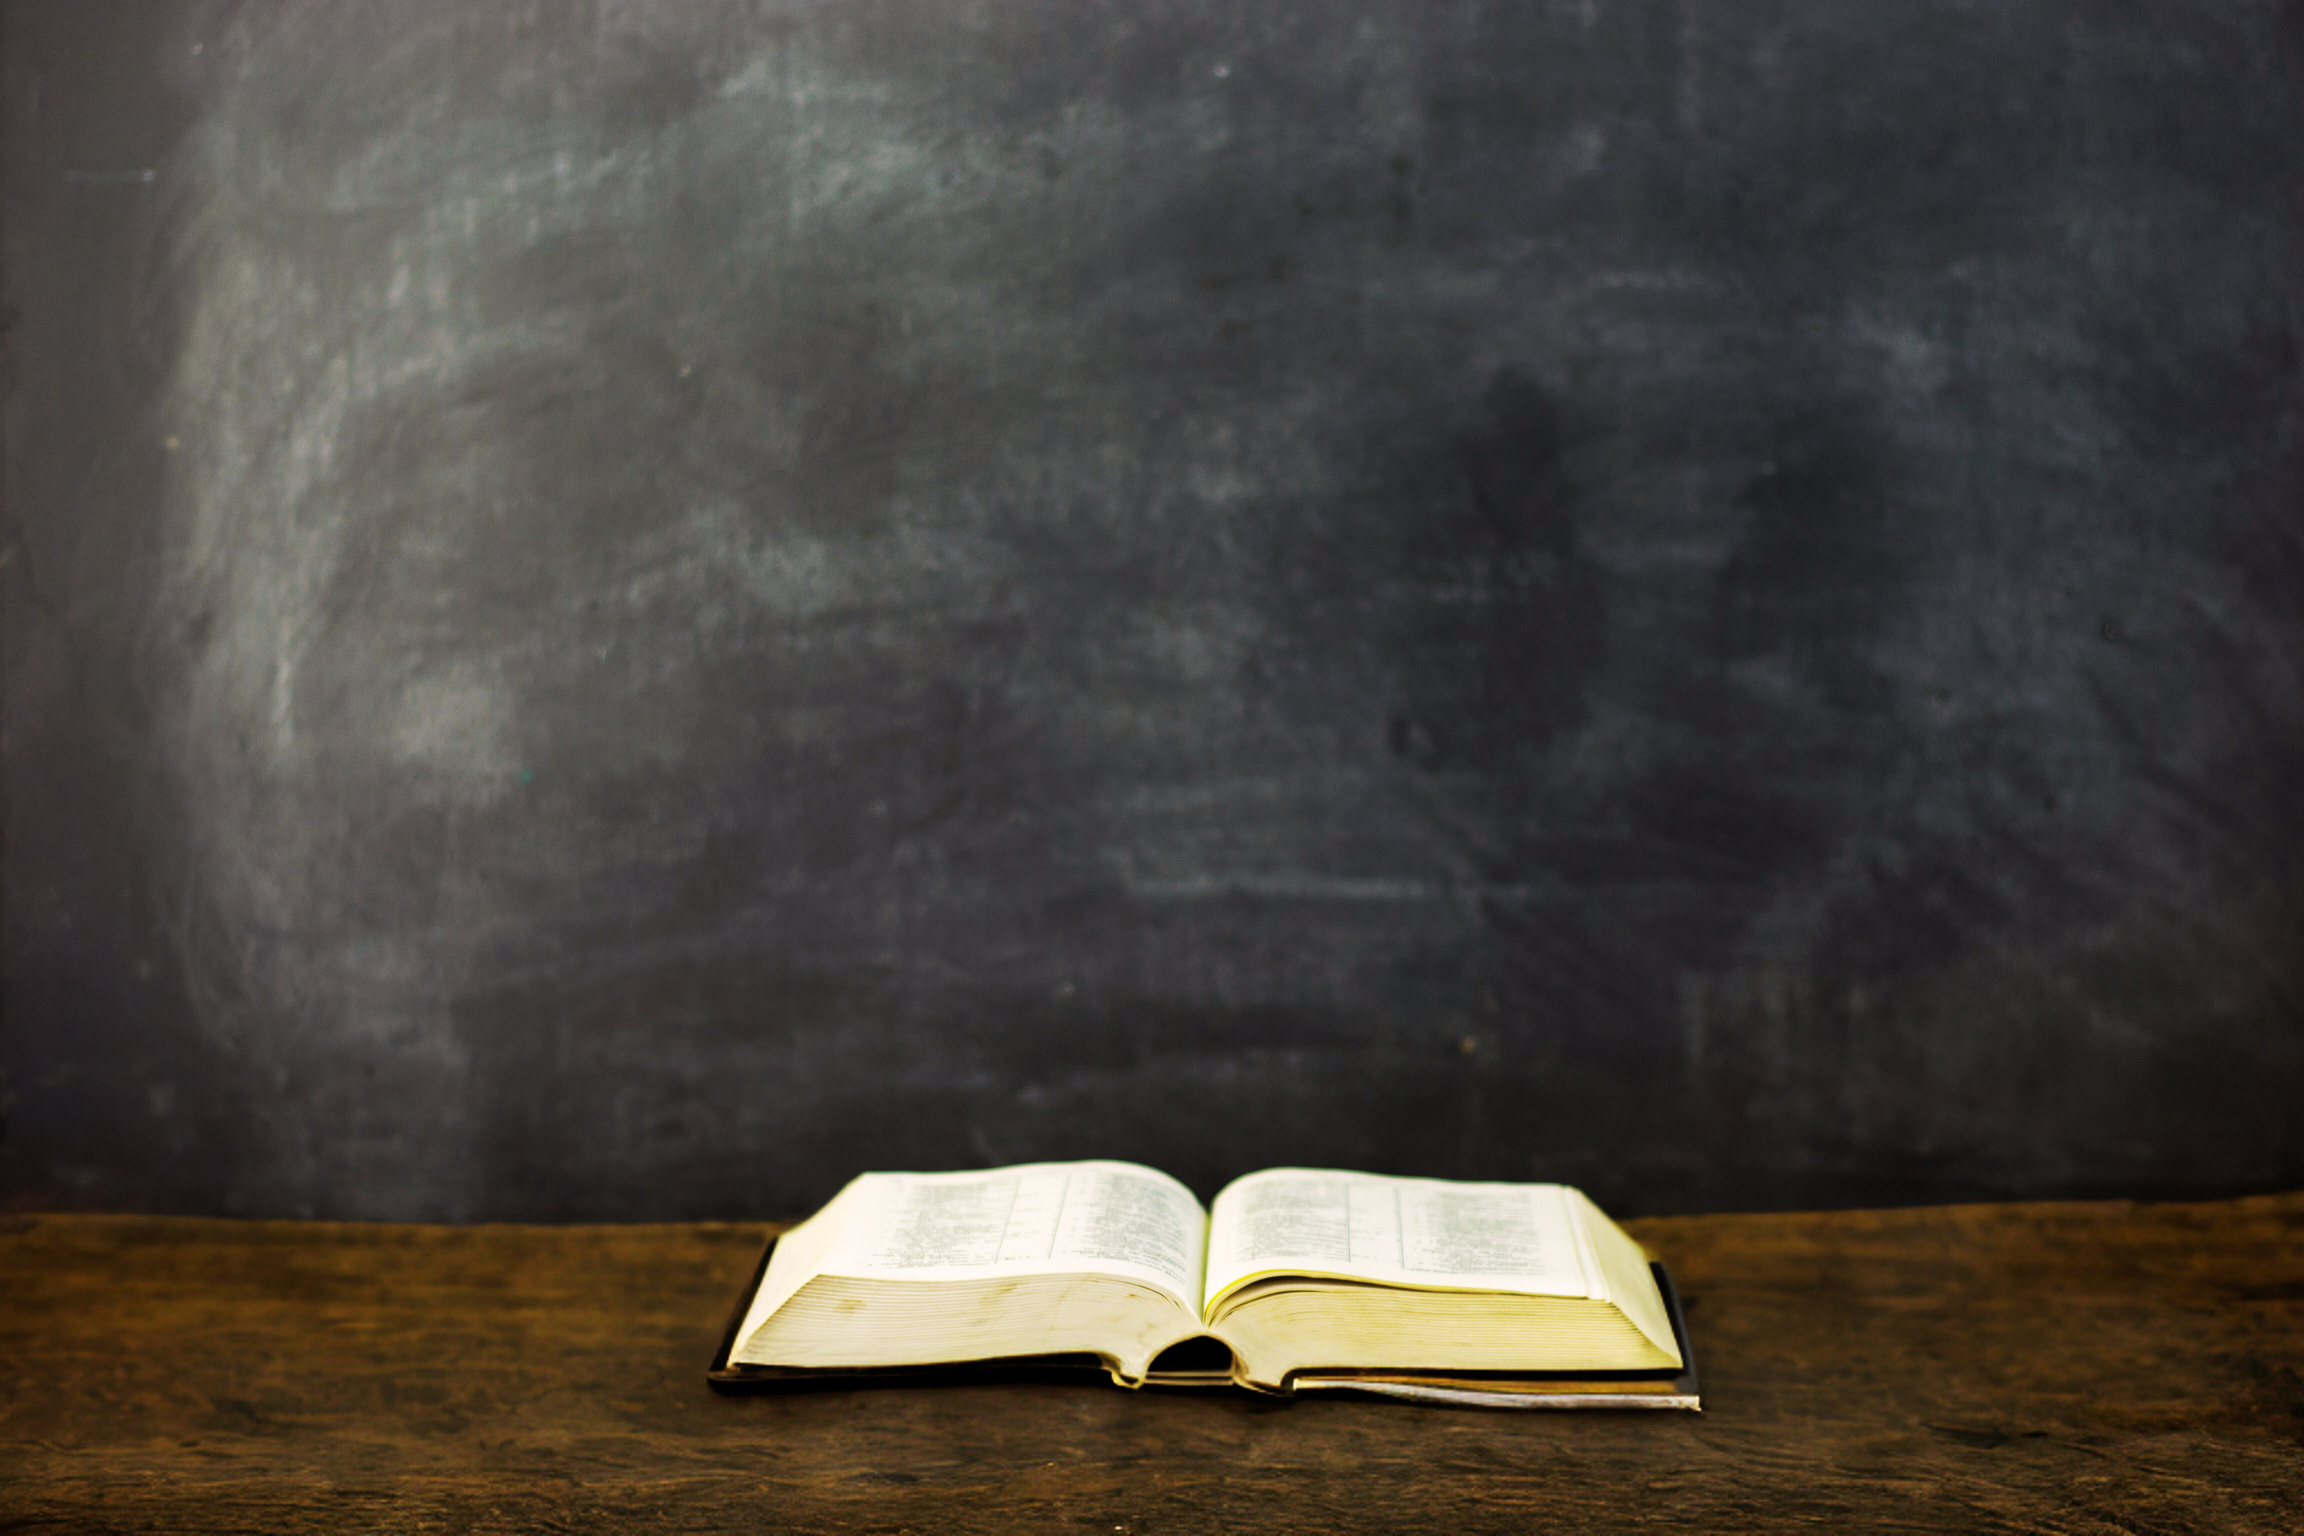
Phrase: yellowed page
(1106, 1218)
(1433, 1234)
(1623, 1269)
(800, 1253)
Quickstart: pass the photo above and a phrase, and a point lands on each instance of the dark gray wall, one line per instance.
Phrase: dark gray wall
(623, 610)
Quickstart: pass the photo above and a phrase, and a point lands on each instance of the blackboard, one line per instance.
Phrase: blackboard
(622, 610)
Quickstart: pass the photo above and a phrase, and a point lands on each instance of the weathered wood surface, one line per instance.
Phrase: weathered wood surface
(2070, 1368)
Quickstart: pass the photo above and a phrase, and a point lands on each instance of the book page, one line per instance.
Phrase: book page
(799, 1254)
(1430, 1233)
(1039, 1218)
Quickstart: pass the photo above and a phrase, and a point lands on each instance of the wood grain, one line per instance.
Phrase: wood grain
(2103, 1367)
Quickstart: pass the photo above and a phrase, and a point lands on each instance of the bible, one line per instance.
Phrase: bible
(1292, 1280)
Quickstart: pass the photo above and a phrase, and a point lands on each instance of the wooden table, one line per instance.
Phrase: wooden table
(2075, 1368)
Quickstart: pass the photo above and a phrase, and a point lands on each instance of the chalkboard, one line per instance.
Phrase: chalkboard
(623, 610)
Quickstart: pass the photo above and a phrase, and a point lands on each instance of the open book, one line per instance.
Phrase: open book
(1294, 1279)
